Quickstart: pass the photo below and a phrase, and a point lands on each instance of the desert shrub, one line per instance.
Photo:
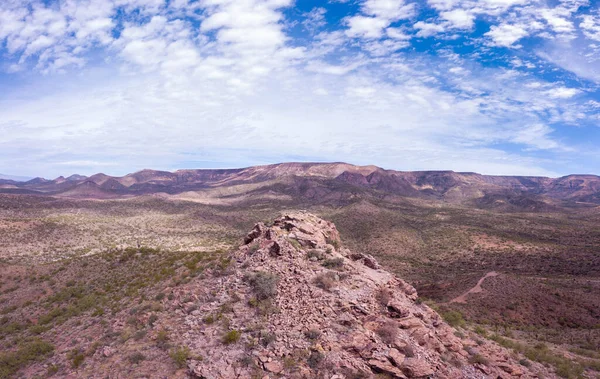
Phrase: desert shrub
(38, 329)
(253, 248)
(388, 332)
(159, 297)
(453, 318)
(295, 244)
(314, 359)
(383, 296)
(8, 309)
(210, 319)
(246, 360)
(478, 359)
(332, 242)
(52, 370)
(26, 352)
(264, 284)
(481, 331)
(180, 355)
(289, 362)
(162, 339)
(267, 338)
(136, 358)
(266, 307)
(231, 337)
(312, 334)
(152, 319)
(314, 254)
(334, 263)
(325, 281)
(140, 334)
(76, 357)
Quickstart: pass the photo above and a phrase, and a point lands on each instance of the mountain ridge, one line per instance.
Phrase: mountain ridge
(444, 185)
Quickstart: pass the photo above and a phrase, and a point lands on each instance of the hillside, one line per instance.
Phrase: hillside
(290, 302)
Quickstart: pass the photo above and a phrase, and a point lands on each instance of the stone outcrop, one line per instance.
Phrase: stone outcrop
(294, 303)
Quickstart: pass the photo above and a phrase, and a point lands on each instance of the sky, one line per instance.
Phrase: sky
(502, 87)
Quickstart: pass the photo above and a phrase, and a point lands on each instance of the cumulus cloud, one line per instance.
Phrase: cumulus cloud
(227, 80)
(506, 35)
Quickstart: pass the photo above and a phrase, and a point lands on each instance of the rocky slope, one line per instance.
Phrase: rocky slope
(294, 303)
(290, 302)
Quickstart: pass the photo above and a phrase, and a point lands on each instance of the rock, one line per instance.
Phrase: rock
(346, 319)
(370, 262)
(385, 367)
(396, 357)
(483, 368)
(274, 249)
(256, 232)
(274, 367)
(410, 323)
(108, 351)
(416, 368)
(397, 310)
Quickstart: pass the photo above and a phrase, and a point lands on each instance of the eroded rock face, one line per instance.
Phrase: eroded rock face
(325, 316)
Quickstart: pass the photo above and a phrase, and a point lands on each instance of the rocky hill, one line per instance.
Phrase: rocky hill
(291, 302)
(302, 306)
(331, 181)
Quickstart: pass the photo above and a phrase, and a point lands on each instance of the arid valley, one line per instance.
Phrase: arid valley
(151, 274)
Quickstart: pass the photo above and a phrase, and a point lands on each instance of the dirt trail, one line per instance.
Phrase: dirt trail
(477, 289)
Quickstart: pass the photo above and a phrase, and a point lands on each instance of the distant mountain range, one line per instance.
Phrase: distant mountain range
(327, 182)
(14, 178)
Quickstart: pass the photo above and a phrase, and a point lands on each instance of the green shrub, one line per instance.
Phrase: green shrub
(231, 337)
(162, 339)
(136, 358)
(264, 284)
(453, 318)
(180, 356)
(27, 352)
(334, 263)
(76, 357)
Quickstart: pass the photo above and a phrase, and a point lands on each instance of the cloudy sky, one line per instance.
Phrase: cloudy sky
(114, 86)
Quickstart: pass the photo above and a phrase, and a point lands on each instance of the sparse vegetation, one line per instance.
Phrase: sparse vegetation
(388, 332)
(26, 352)
(325, 280)
(180, 356)
(231, 337)
(264, 284)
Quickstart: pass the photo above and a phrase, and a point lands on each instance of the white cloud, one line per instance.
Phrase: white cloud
(428, 29)
(591, 27)
(459, 18)
(505, 35)
(562, 92)
(366, 27)
(195, 78)
(389, 9)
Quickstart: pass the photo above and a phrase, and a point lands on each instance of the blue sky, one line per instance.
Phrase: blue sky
(497, 86)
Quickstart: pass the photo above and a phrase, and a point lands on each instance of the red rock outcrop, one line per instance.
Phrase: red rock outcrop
(294, 303)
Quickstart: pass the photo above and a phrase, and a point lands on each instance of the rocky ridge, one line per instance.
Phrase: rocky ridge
(293, 303)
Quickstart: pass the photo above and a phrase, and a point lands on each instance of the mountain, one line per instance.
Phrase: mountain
(14, 178)
(330, 181)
